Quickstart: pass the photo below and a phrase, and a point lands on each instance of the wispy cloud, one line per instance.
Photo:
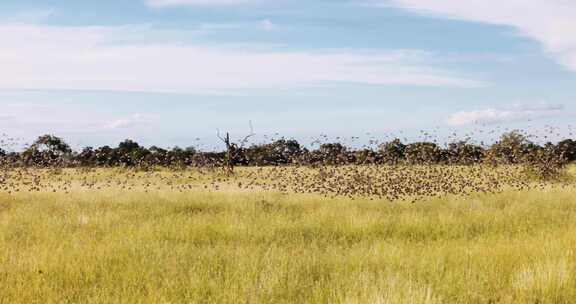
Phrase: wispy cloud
(65, 117)
(518, 112)
(79, 125)
(262, 25)
(28, 16)
(141, 58)
(550, 22)
(171, 3)
(40, 118)
(132, 121)
(268, 25)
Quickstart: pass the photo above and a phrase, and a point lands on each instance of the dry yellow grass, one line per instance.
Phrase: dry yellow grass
(117, 245)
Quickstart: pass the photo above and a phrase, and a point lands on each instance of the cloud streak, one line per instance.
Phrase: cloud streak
(504, 115)
(27, 119)
(135, 120)
(140, 58)
(28, 16)
(550, 22)
(173, 3)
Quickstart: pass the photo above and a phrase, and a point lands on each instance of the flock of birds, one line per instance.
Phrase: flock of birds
(398, 182)
(374, 182)
(402, 182)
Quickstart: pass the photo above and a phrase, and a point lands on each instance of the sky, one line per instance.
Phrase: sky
(173, 72)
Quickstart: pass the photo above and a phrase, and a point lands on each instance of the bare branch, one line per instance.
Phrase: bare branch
(220, 136)
(245, 140)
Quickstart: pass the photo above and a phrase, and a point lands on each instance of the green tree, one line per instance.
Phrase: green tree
(393, 152)
(511, 148)
(48, 150)
(423, 153)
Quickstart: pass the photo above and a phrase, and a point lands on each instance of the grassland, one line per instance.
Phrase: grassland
(120, 244)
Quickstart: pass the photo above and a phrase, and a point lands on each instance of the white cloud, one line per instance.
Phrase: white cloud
(550, 22)
(27, 120)
(170, 3)
(516, 112)
(268, 25)
(78, 125)
(38, 118)
(134, 120)
(140, 58)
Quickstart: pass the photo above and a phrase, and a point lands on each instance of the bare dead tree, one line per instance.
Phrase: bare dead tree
(233, 148)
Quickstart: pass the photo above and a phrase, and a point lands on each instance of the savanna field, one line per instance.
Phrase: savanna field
(288, 152)
(334, 235)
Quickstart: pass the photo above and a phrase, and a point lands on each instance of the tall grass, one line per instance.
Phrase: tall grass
(119, 246)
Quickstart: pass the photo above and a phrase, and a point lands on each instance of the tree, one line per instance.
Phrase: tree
(286, 150)
(131, 153)
(157, 156)
(232, 149)
(545, 162)
(464, 153)
(3, 159)
(567, 149)
(106, 156)
(366, 156)
(333, 153)
(180, 157)
(393, 152)
(423, 153)
(48, 150)
(87, 157)
(279, 152)
(510, 148)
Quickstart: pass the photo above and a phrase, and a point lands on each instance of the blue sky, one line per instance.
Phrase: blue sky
(170, 72)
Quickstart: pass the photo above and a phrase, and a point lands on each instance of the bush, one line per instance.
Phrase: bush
(546, 163)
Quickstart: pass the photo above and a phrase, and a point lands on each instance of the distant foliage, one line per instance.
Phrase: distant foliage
(392, 170)
(393, 152)
(546, 162)
(47, 151)
(280, 152)
(423, 153)
(513, 148)
(567, 150)
(464, 153)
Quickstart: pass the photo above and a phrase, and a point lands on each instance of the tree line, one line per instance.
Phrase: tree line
(512, 148)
